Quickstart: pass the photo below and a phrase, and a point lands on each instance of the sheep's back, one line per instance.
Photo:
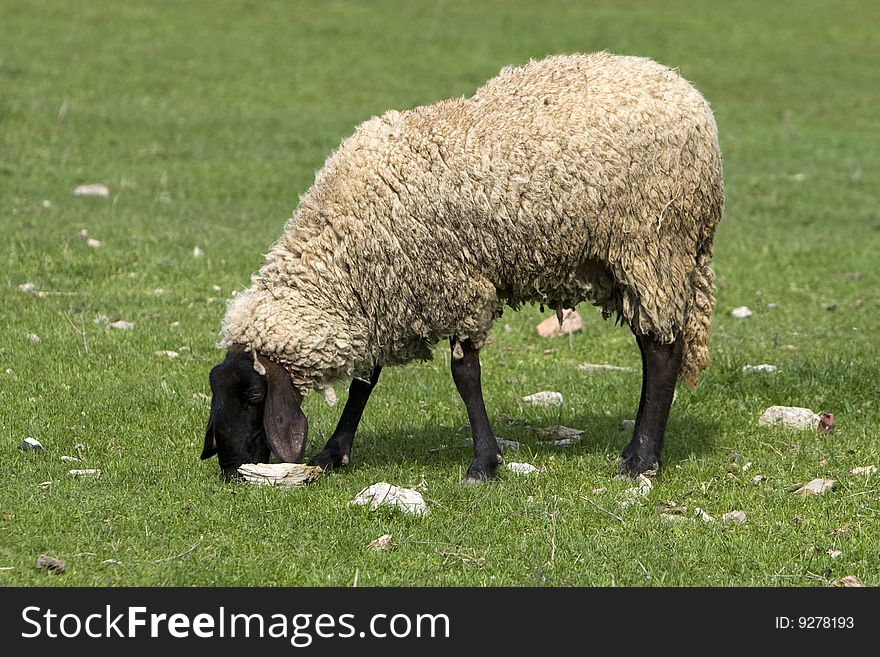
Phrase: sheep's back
(570, 178)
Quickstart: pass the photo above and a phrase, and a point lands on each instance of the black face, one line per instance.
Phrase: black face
(235, 430)
(253, 413)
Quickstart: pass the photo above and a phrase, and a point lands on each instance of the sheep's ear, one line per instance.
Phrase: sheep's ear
(210, 448)
(285, 424)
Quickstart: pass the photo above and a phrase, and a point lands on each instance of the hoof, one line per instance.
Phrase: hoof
(329, 459)
(635, 465)
(481, 471)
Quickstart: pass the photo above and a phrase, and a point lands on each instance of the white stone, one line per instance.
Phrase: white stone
(385, 494)
(384, 542)
(523, 468)
(764, 367)
(636, 494)
(279, 474)
(544, 398)
(793, 417)
(741, 312)
(95, 189)
(85, 473)
(604, 367)
(816, 487)
(557, 431)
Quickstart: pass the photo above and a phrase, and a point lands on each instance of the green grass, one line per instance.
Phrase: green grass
(208, 119)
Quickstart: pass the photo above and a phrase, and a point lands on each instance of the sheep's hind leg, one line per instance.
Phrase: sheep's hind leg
(337, 451)
(660, 366)
(466, 374)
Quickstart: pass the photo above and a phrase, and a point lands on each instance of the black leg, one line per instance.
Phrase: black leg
(466, 374)
(660, 366)
(337, 451)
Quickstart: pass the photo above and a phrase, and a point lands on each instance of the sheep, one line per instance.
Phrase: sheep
(585, 177)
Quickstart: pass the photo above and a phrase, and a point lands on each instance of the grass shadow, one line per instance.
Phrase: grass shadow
(443, 445)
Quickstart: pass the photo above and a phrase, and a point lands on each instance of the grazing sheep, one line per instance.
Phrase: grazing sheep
(576, 178)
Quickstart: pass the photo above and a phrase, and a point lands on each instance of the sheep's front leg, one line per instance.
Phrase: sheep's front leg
(466, 374)
(660, 366)
(337, 451)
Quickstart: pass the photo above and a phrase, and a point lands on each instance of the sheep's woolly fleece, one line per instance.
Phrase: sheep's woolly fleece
(576, 178)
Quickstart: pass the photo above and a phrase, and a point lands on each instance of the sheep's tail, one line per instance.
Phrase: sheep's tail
(698, 324)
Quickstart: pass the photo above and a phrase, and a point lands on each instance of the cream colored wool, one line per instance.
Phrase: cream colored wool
(575, 178)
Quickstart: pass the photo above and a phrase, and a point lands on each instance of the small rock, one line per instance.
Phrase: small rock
(47, 203)
(556, 432)
(544, 398)
(122, 325)
(816, 487)
(384, 542)
(33, 337)
(866, 470)
(571, 323)
(53, 565)
(95, 189)
(523, 468)
(93, 243)
(85, 473)
(83, 233)
(850, 581)
(564, 442)
(739, 517)
(512, 445)
(764, 367)
(638, 493)
(279, 474)
(741, 312)
(593, 367)
(328, 394)
(197, 252)
(385, 494)
(702, 515)
(834, 553)
(31, 445)
(759, 479)
(793, 417)
(626, 425)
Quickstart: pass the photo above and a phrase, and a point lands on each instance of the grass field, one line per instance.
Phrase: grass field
(206, 120)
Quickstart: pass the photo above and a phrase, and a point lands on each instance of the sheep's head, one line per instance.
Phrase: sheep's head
(254, 410)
